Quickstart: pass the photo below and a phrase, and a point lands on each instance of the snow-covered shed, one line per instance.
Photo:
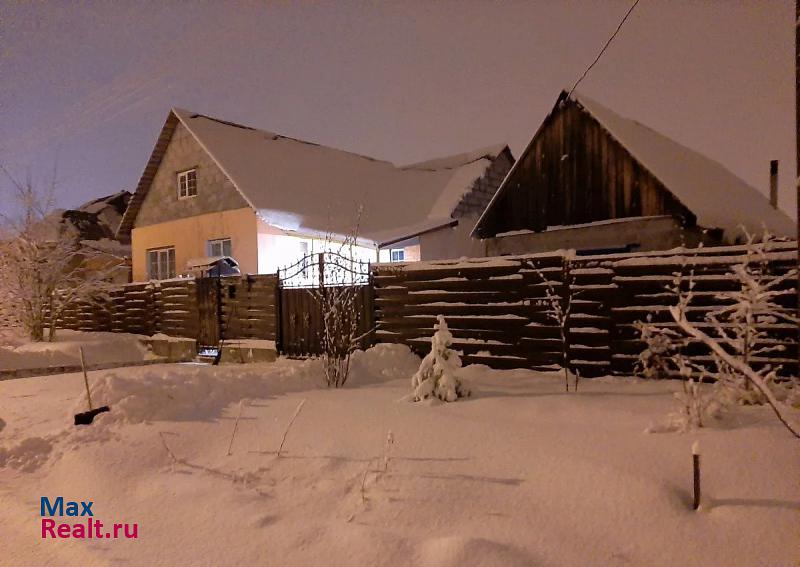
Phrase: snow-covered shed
(591, 178)
(213, 187)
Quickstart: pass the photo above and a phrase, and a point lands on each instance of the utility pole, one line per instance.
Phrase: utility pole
(797, 150)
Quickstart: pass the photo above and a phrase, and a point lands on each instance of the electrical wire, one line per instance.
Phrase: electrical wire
(599, 55)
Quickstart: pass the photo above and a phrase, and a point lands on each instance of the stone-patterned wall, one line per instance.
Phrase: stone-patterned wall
(475, 202)
(215, 192)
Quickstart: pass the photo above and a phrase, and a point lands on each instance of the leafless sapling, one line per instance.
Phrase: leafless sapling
(44, 265)
(338, 292)
(559, 308)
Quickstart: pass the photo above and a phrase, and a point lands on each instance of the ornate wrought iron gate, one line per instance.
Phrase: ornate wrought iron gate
(301, 321)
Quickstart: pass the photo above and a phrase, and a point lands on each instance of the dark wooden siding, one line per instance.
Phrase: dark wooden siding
(575, 172)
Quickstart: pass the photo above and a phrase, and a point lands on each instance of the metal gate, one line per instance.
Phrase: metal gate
(301, 320)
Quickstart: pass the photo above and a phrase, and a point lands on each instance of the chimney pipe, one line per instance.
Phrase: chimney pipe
(773, 183)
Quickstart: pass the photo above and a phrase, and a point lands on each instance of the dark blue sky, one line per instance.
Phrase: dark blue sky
(85, 86)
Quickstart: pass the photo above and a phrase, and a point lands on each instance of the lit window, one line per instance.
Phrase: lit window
(398, 254)
(187, 184)
(305, 258)
(161, 263)
(220, 247)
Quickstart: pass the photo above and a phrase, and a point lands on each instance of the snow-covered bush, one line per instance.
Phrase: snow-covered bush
(742, 324)
(739, 333)
(697, 403)
(436, 375)
(659, 359)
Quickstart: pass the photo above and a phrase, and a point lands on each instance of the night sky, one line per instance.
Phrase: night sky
(86, 86)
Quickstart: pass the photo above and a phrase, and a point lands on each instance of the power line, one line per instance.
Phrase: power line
(610, 39)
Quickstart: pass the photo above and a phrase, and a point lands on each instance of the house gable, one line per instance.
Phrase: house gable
(215, 192)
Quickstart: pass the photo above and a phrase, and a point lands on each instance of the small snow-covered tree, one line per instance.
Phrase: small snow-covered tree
(436, 376)
(559, 308)
(44, 265)
(659, 359)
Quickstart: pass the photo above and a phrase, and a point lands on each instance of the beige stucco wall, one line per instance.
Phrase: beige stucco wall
(215, 192)
(189, 236)
(410, 253)
(452, 242)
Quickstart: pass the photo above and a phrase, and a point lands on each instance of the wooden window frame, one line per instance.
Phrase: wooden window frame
(171, 270)
(184, 176)
(221, 241)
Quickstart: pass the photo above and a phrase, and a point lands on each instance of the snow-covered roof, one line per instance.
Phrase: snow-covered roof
(717, 197)
(307, 188)
(452, 162)
(398, 234)
(206, 261)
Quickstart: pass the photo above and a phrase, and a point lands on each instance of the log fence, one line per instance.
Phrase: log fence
(499, 310)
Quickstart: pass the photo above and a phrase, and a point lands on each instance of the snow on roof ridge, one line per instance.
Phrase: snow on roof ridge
(272, 135)
(454, 161)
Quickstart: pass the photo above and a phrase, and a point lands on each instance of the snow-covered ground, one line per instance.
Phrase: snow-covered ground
(16, 352)
(520, 474)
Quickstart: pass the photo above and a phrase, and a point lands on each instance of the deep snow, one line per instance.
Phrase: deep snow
(519, 474)
(16, 352)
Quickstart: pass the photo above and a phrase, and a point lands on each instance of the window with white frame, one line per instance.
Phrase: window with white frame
(161, 263)
(219, 247)
(398, 254)
(187, 184)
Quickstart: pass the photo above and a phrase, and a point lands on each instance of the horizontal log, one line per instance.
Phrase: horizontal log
(475, 272)
(467, 297)
(454, 310)
(454, 284)
(455, 322)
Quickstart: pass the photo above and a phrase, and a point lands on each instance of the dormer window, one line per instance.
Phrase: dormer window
(187, 184)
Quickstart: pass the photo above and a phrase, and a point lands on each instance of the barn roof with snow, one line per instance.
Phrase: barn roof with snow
(304, 187)
(575, 165)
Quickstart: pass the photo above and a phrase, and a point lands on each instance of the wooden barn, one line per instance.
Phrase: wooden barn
(592, 179)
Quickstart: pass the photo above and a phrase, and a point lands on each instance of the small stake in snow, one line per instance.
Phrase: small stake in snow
(387, 452)
(87, 417)
(288, 427)
(696, 467)
(235, 427)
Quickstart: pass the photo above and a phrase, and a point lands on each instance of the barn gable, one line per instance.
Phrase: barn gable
(587, 164)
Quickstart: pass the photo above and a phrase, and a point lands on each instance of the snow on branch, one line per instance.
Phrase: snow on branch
(737, 364)
(44, 265)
